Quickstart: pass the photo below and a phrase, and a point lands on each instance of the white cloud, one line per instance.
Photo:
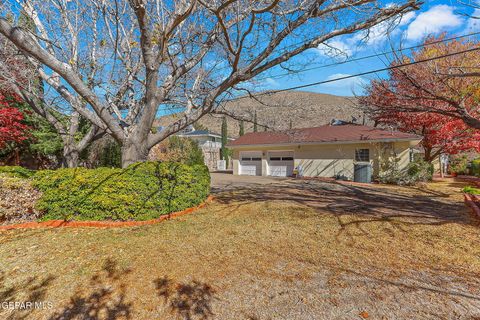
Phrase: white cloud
(378, 34)
(352, 83)
(269, 82)
(473, 23)
(437, 19)
(407, 18)
(335, 48)
(345, 87)
(346, 46)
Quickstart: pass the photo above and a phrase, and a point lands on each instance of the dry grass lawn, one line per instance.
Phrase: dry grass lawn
(295, 250)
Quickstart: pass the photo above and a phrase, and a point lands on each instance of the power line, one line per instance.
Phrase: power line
(372, 56)
(361, 74)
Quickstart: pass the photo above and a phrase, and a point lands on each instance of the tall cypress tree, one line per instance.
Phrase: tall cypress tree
(241, 131)
(291, 124)
(255, 121)
(223, 151)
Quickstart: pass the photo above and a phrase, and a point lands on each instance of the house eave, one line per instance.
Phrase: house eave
(202, 135)
(242, 146)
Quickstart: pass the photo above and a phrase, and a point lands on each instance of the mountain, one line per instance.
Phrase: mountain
(276, 110)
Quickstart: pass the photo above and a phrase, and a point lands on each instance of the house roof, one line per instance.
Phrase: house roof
(323, 134)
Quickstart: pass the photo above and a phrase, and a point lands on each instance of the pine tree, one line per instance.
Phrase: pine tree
(241, 131)
(255, 122)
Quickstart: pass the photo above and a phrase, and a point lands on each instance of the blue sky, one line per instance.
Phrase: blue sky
(434, 17)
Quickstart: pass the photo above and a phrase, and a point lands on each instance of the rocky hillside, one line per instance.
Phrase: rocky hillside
(278, 111)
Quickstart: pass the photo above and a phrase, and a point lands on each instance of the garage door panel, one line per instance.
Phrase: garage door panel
(280, 163)
(250, 163)
(250, 169)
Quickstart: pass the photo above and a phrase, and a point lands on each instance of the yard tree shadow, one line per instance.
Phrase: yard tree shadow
(187, 301)
(106, 301)
(367, 203)
(105, 296)
(32, 289)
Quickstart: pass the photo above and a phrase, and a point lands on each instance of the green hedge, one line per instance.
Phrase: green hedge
(476, 167)
(16, 171)
(140, 192)
(415, 172)
(471, 190)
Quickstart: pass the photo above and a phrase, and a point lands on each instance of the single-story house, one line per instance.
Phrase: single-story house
(328, 151)
(209, 142)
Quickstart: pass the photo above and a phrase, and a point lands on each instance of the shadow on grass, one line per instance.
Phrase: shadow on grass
(107, 301)
(105, 297)
(32, 289)
(187, 301)
(367, 203)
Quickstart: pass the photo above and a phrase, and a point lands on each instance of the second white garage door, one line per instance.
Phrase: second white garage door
(280, 163)
(250, 163)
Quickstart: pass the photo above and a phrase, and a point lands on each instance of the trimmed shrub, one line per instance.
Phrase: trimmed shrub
(419, 171)
(142, 191)
(16, 171)
(177, 149)
(471, 190)
(415, 172)
(459, 164)
(475, 165)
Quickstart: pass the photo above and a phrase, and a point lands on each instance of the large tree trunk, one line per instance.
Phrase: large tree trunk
(70, 156)
(133, 152)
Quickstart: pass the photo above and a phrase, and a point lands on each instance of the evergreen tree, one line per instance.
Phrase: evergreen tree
(255, 122)
(223, 151)
(241, 131)
(291, 124)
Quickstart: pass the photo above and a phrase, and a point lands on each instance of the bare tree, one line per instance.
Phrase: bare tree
(21, 75)
(129, 62)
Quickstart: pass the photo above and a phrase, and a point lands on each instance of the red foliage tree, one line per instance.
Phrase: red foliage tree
(12, 128)
(427, 99)
(441, 134)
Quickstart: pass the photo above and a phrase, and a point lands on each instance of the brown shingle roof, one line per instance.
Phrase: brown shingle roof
(323, 134)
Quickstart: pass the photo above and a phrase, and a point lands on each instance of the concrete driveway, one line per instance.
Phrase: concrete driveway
(222, 181)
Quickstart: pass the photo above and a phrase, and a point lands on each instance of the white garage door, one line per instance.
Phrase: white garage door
(280, 164)
(250, 163)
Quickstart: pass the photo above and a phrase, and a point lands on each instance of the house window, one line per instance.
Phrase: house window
(362, 155)
(281, 158)
(251, 159)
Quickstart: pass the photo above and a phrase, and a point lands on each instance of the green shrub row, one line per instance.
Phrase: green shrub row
(16, 171)
(415, 172)
(140, 192)
(471, 190)
(475, 167)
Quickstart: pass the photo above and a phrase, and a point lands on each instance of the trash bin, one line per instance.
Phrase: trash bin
(362, 173)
